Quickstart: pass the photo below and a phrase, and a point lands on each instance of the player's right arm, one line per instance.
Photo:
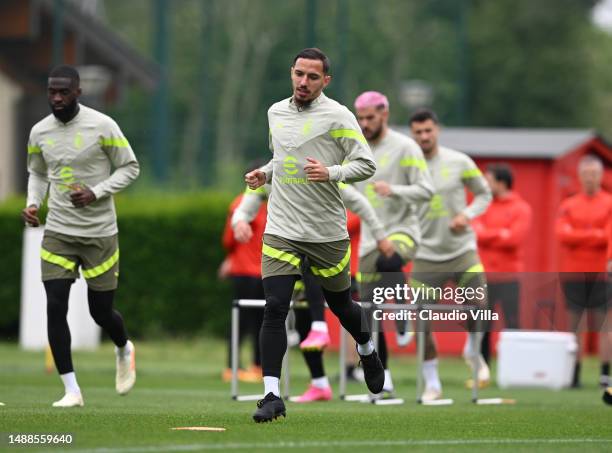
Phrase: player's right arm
(420, 188)
(359, 204)
(257, 178)
(38, 182)
(245, 212)
(263, 175)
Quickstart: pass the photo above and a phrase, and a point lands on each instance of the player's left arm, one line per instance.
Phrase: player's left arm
(472, 178)
(358, 163)
(359, 204)
(420, 186)
(122, 158)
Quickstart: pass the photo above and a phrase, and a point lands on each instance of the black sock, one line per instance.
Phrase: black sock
(101, 310)
(350, 314)
(313, 359)
(273, 335)
(382, 349)
(576, 378)
(58, 292)
(605, 368)
(485, 348)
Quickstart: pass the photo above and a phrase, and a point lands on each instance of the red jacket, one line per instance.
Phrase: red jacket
(245, 259)
(610, 240)
(501, 233)
(581, 232)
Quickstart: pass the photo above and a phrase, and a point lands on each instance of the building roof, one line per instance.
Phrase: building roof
(26, 37)
(515, 143)
(107, 44)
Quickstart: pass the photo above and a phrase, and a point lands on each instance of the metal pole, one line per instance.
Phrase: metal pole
(206, 93)
(476, 362)
(462, 53)
(311, 23)
(342, 384)
(58, 32)
(420, 356)
(234, 347)
(161, 103)
(342, 22)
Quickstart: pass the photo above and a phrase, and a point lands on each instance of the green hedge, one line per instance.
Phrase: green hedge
(170, 252)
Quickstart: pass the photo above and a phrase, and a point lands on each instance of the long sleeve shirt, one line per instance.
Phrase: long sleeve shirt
(251, 201)
(328, 132)
(400, 163)
(82, 152)
(452, 172)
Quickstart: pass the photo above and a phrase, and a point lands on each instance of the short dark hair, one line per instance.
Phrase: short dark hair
(312, 53)
(501, 172)
(423, 115)
(66, 72)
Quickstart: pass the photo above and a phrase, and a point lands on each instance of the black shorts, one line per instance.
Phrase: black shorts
(586, 291)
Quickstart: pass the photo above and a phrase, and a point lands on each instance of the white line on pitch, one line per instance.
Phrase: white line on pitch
(332, 444)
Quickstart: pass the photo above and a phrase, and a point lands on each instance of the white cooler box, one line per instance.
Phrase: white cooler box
(535, 359)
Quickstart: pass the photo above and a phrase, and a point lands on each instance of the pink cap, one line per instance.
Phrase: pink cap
(371, 99)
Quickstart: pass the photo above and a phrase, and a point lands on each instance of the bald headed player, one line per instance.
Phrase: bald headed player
(72, 153)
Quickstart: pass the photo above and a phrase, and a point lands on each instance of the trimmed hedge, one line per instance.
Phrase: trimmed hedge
(170, 252)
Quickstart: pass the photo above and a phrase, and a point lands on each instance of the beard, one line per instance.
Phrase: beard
(375, 134)
(301, 103)
(67, 113)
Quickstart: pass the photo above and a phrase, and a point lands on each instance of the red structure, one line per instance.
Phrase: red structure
(544, 162)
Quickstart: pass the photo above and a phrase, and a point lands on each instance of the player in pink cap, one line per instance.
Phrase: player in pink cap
(400, 184)
(372, 99)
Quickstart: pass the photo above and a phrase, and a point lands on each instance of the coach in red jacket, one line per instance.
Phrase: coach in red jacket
(581, 232)
(501, 233)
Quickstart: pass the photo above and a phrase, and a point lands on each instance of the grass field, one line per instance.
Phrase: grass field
(179, 385)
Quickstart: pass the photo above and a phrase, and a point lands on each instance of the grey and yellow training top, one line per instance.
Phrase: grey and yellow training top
(82, 152)
(328, 132)
(400, 163)
(452, 172)
(251, 201)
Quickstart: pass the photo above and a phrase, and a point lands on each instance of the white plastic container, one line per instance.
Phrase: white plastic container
(536, 359)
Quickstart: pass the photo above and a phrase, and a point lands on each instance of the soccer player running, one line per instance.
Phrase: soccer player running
(448, 249)
(71, 152)
(401, 184)
(311, 136)
(309, 318)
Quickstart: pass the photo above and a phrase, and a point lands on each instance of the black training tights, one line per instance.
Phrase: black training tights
(101, 309)
(273, 336)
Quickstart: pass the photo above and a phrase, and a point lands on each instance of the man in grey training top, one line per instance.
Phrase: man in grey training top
(71, 153)
(448, 249)
(311, 136)
(399, 187)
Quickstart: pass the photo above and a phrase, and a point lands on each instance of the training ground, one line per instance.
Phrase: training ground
(179, 385)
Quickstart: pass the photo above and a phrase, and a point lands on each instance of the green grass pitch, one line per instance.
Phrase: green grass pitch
(179, 385)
